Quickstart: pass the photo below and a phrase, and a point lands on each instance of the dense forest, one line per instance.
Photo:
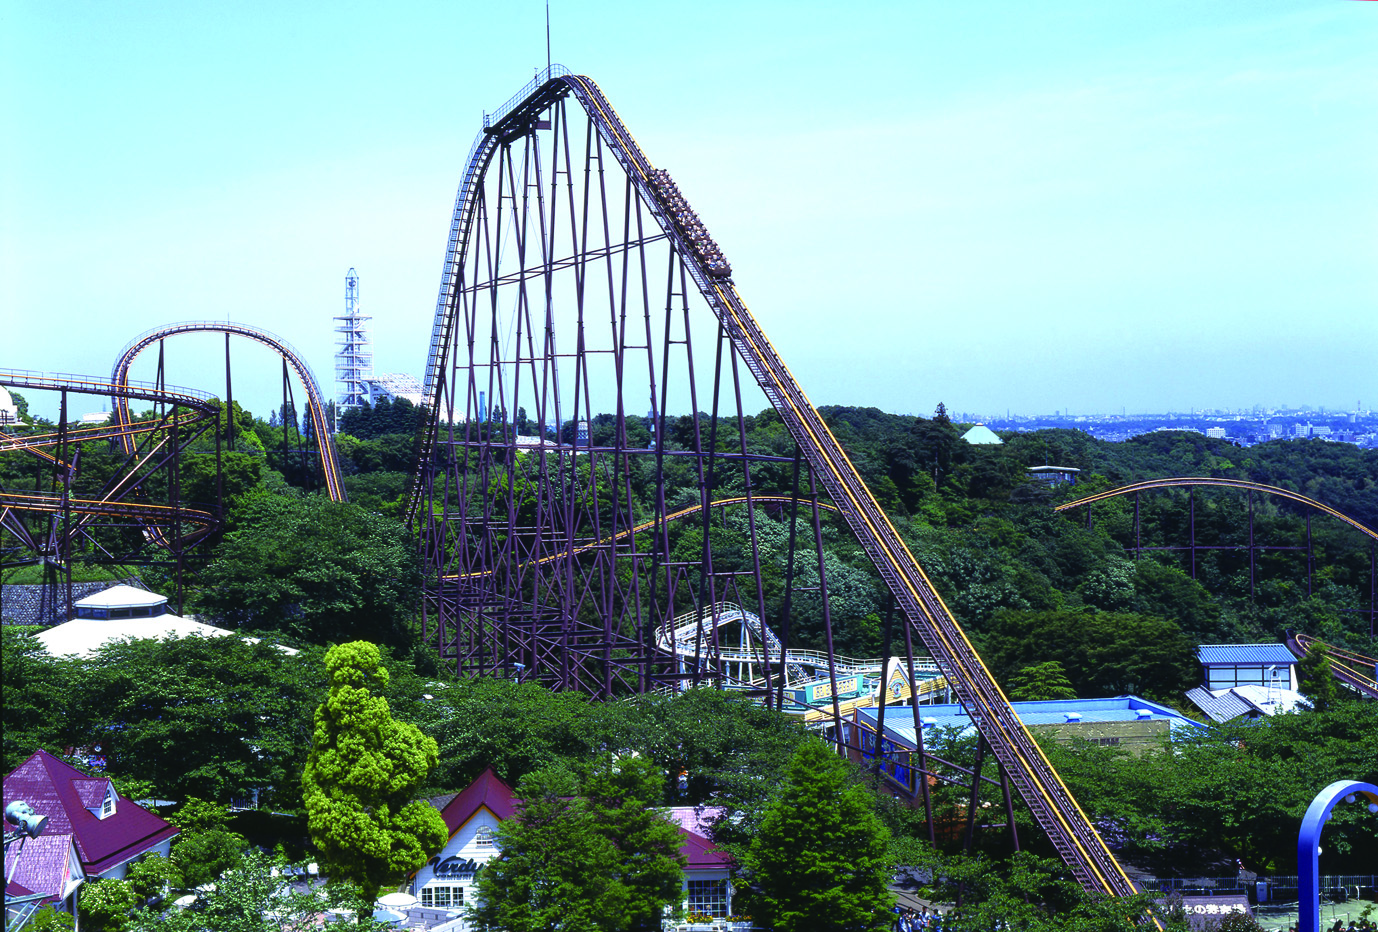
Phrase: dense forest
(1009, 566)
(1030, 584)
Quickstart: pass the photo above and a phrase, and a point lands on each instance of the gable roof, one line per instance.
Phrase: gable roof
(694, 824)
(39, 865)
(54, 789)
(1222, 707)
(91, 791)
(487, 791)
(1224, 704)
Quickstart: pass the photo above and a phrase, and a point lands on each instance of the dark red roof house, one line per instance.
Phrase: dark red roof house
(92, 831)
(447, 881)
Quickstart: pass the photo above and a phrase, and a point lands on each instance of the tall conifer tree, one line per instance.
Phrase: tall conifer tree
(819, 861)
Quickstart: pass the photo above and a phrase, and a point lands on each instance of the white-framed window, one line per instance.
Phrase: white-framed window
(483, 838)
(708, 897)
(442, 896)
(108, 807)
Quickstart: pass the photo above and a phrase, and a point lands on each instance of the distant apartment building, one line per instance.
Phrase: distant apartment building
(1218, 432)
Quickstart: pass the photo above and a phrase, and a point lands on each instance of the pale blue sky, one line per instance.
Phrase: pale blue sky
(1095, 205)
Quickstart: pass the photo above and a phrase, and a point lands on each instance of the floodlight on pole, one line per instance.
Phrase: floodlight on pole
(27, 822)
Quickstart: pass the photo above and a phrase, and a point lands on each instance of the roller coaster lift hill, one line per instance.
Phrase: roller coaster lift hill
(575, 281)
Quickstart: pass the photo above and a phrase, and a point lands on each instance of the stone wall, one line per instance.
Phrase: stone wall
(27, 605)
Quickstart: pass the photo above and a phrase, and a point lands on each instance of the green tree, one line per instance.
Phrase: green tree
(211, 718)
(622, 796)
(820, 859)
(252, 897)
(1047, 680)
(1104, 653)
(105, 905)
(49, 919)
(553, 873)
(153, 877)
(1316, 681)
(320, 570)
(202, 856)
(362, 777)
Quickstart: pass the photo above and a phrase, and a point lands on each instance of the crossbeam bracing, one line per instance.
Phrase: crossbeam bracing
(526, 341)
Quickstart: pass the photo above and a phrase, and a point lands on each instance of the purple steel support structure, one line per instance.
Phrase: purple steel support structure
(139, 503)
(575, 274)
(1252, 546)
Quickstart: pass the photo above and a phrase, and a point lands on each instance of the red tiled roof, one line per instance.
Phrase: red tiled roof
(55, 789)
(91, 792)
(486, 791)
(699, 853)
(38, 865)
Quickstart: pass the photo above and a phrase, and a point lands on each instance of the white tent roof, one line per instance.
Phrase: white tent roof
(122, 597)
(84, 636)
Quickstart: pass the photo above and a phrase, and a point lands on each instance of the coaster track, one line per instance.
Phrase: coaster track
(1355, 670)
(1071, 833)
(1183, 482)
(123, 500)
(315, 405)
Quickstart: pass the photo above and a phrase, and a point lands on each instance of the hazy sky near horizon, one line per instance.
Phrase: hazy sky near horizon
(1099, 205)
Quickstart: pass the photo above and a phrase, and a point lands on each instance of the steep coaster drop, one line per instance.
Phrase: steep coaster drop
(545, 301)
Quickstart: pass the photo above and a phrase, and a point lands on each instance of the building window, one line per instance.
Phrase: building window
(438, 897)
(1106, 742)
(483, 838)
(708, 897)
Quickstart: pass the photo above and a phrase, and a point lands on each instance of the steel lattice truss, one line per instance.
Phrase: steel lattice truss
(566, 503)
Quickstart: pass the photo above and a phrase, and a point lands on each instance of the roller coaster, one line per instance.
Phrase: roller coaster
(579, 550)
(575, 268)
(1191, 483)
(1357, 671)
(315, 404)
(46, 526)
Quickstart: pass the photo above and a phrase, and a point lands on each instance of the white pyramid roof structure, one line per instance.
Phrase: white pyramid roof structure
(981, 434)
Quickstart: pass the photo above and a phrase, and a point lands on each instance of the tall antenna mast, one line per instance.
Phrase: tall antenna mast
(547, 36)
(354, 358)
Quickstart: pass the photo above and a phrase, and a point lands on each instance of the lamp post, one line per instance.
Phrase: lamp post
(1309, 845)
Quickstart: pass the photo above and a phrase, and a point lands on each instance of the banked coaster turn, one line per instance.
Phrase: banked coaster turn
(565, 234)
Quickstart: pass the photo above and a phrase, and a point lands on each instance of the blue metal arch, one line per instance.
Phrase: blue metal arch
(1309, 846)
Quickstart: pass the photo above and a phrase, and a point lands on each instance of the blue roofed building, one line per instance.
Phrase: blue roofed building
(1246, 680)
(1128, 722)
(1225, 666)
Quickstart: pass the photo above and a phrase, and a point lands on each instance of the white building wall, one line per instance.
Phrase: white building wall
(464, 846)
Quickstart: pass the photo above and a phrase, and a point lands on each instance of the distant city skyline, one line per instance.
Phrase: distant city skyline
(993, 204)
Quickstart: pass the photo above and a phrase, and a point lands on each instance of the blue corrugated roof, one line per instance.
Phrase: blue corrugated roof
(1244, 654)
(899, 720)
